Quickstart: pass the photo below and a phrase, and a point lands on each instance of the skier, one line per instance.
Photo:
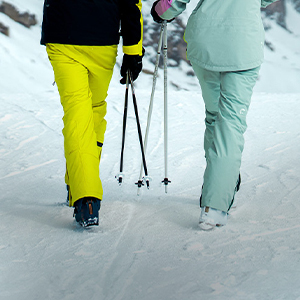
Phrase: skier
(225, 41)
(81, 39)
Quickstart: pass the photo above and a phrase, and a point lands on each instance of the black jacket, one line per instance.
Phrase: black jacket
(93, 23)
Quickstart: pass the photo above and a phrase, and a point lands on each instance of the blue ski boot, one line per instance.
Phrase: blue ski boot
(86, 211)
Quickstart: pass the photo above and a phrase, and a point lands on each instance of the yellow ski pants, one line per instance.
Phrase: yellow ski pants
(82, 75)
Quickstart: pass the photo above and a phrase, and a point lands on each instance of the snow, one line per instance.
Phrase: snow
(149, 246)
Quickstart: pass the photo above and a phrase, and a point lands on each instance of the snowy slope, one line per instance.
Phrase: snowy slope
(149, 247)
(146, 247)
(23, 62)
(280, 71)
(24, 65)
(280, 64)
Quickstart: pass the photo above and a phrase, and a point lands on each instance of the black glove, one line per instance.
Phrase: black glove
(133, 64)
(155, 16)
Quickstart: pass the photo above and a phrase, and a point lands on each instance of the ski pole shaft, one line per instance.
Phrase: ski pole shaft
(124, 129)
(138, 127)
(165, 55)
(150, 109)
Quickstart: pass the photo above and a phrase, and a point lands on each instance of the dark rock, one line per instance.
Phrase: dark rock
(277, 11)
(4, 29)
(25, 18)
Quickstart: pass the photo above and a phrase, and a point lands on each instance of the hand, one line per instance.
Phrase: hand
(133, 64)
(155, 16)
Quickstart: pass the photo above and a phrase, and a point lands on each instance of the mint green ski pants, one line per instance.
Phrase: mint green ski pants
(227, 97)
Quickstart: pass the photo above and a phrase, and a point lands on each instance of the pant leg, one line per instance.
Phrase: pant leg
(225, 152)
(72, 76)
(100, 75)
(210, 83)
(99, 80)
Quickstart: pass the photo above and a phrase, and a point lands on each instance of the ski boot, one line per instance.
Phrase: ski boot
(210, 218)
(86, 211)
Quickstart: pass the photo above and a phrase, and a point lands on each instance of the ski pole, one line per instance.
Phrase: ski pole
(139, 128)
(165, 55)
(120, 176)
(129, 81)
(155, 74)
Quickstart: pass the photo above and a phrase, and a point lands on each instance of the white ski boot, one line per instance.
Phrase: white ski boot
(211, 217)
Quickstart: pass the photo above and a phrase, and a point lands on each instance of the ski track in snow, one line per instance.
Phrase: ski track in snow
(149, 246)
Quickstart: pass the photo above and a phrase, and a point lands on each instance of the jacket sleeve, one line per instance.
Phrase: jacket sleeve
(131, 26)
(265, 3)
(169, 9)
